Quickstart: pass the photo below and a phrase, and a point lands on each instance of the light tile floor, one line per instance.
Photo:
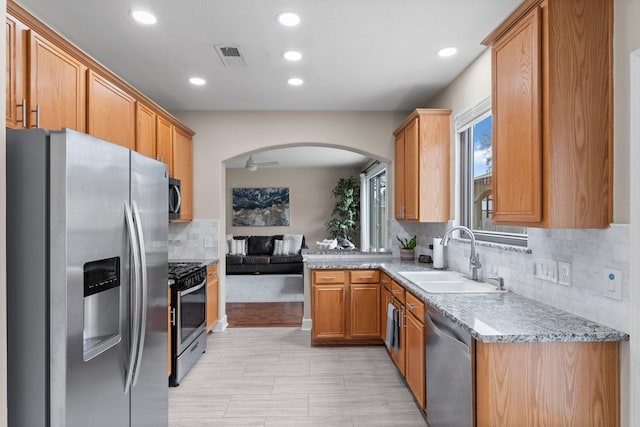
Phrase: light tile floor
(273, 377)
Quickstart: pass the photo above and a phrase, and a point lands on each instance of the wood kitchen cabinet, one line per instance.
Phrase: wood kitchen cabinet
(345, 306)
(145, 130)
(552, 92)
(422, 146)
(398, 355)
(182, 160)
(552, 384)
(56, 91)
(415, 348)
(16, 103)
(108, 105)
(164, 142)
(385, 298)
(212, 296)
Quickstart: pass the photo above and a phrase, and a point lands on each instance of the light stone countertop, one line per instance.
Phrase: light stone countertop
(491, 317)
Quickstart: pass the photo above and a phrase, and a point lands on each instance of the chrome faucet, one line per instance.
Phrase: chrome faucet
(474, 258)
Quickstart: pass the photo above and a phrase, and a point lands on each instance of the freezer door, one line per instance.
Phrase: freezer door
(89, 305)
(149, 200)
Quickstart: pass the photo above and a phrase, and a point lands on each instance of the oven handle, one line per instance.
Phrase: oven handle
(192, 290)
(143, 300)
(133, 349)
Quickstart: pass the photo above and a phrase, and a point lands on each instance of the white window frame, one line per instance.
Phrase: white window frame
(365, 225)
(464, 121)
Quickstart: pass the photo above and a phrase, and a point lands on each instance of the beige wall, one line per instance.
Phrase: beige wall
(309, 196)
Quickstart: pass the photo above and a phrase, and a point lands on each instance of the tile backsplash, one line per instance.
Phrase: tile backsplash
(590, 252)
(197, 239)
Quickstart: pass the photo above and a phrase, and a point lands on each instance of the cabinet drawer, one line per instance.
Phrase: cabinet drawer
(331, 276)
(414, 306)
(385, 280)
(398, 291)
(365, 276)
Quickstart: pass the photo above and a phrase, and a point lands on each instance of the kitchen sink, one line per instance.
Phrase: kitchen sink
(444, 282)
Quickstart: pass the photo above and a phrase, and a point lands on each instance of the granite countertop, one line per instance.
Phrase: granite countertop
(492, 317)
(205, 262)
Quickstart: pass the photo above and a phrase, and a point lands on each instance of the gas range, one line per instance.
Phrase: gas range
(186, 274)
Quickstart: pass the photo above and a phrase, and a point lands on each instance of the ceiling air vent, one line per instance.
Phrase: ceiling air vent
(231, 55)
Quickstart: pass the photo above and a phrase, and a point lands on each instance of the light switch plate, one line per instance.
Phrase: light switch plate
(612, 280)
(546, 269)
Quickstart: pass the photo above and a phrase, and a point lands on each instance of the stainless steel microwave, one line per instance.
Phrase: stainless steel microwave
(175, 199)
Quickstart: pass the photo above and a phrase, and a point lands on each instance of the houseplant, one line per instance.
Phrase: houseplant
(407, 251)
(347, 209)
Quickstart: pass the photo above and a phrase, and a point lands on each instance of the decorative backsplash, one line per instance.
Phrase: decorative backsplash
(197, 239)
(589, 251)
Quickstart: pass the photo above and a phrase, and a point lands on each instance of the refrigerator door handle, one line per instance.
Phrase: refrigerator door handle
(135, 304)
(143, 300)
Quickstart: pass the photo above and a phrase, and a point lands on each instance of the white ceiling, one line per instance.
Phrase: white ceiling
(359, 55)
(303, 157)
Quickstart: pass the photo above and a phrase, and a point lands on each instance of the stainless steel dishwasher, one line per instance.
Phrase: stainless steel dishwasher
(449, 373)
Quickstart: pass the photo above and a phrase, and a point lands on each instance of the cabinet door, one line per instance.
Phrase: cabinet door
(57, 87)
(364, 311)
(212, 296)
(385, 299)
(145, 130)
(399, 176)
(16, 104)
(328, 311)
(517, 137)
(415, 358)
(164, 142)
(169, 332)
(398, 355)
(183, 170)
(411, 171)
(111, 112)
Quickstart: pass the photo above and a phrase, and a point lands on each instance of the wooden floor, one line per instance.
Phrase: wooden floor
(261, 314)
(272, 377)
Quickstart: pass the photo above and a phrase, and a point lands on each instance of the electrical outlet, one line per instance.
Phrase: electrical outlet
(564, 273)
(546, 269)
(612, 283)
(207, 241)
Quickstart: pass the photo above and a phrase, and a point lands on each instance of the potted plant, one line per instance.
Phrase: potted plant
(408, 249)
(347, 209)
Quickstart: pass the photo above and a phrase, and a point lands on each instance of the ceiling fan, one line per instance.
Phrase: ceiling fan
(252, 165)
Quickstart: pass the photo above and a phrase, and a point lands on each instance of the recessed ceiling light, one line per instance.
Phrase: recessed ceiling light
(143, 17)
(295, 81)
(447, 51)
(197, 81)
(288, 19)
(292, 55)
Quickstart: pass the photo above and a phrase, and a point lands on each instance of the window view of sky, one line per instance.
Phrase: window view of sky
(482, 147)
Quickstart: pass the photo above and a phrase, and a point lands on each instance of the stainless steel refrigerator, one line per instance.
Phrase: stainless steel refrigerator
(87, 282)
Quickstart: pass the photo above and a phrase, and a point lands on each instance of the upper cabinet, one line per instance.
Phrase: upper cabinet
(145, 130)
(164, 142)
(182, 160)
(422, 147)
(108, 105)
(552, 115)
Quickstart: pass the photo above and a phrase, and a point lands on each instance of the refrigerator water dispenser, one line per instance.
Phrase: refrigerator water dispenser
(101, 306)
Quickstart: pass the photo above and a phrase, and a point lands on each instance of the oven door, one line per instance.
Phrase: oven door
(191, 314)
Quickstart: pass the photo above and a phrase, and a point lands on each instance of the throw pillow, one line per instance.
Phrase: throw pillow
(260, 245)
(281, 247)
(295, 242)
(238, 247)
(228, 238)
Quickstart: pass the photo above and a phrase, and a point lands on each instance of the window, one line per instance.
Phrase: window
(374, 206)
(474, 130)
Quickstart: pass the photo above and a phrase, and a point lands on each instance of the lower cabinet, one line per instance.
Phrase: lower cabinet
(212, 296)
(397, 299)
(414, 370)
(345, 306)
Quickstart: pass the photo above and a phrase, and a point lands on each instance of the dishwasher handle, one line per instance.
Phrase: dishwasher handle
(442, 330)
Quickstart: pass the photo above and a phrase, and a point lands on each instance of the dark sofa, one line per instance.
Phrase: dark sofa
(259, 258)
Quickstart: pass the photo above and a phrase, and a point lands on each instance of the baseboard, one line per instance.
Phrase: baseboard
(306, 324)
(221, 325)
